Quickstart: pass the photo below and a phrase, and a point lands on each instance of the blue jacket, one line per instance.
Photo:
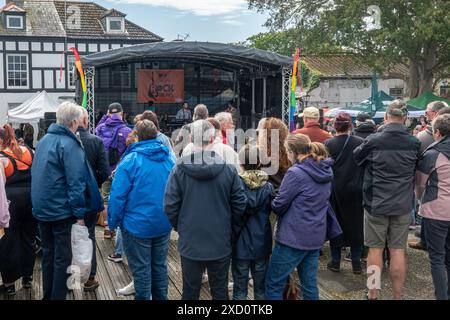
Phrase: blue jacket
(302, 205)
(255, 234)
(62, 184)
(137, 191)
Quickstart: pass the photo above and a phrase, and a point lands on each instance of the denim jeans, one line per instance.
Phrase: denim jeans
(118, 247)
(217, 277)
(241, 270)
(148, 263)
(284, 260)
(56, 257)
(91, 222)
(437, 234)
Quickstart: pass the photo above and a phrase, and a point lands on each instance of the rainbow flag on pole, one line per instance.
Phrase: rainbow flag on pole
(293, 104)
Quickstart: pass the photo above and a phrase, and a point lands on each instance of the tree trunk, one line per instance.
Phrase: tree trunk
(421, 75)
(414, 78)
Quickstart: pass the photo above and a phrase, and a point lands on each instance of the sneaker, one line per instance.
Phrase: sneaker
(27, 282)
(416, 245)
(366, 296)
(357, 267)
(8, 290)
(91, 285)
(115, 257)
(333, 266)
(205, 277)
(127, 290)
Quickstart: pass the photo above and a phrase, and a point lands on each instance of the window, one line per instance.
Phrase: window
(71, 71)
(396, 93)
(115, 25)
(17, 69)
(14, 22)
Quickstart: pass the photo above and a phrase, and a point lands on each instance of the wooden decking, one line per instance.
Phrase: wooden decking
(112, 276)
(332, 286)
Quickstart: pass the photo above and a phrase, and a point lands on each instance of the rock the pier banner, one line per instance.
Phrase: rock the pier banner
(160, 86)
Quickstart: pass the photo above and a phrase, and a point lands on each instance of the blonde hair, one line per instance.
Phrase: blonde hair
(264, 142)
(302, 148)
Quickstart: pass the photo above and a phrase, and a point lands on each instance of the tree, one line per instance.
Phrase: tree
(413, 32)
(282, 42)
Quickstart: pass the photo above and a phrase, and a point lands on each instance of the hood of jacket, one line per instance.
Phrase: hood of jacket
(254, 179)
(202, 165)
(59, 129)
(320, 172)
(114, 121)
(152, 149)
(366, 127)
(442, 146)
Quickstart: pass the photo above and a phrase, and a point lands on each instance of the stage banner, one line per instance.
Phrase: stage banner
(160, 86)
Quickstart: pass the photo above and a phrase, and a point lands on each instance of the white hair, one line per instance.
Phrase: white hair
(202, 132)
(223, 117)
(68, 112)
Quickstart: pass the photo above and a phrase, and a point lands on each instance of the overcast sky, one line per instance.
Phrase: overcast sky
(204, 20)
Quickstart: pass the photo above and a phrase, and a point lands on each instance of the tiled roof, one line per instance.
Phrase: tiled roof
(11, 7)
(46, 18)
(348, 66)
(91, 27)
(113, 13)
(42, 20)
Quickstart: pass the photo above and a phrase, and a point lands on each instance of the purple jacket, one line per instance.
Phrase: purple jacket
(106, 129)
(303, 207)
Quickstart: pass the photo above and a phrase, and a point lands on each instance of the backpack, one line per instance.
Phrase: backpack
(113, 151)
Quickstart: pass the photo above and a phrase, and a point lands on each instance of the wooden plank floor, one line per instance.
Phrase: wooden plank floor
(113, 276)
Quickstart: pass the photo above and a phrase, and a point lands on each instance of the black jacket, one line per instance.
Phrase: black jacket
(95, 154)
(364, 130)
(204, 203)
(390, 158)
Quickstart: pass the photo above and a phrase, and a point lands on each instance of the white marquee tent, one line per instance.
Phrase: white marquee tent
(33, 109)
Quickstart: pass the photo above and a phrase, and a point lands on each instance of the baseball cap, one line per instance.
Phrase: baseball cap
(115, 107)
(310, 112)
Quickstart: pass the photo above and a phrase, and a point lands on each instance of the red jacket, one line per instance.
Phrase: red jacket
(314, 132)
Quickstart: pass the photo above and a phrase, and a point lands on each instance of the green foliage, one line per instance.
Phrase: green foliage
(412, 31)
(310, 79)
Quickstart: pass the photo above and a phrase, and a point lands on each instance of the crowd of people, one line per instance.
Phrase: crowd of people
(358, 187)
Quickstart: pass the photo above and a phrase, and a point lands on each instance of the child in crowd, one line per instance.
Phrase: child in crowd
(253, 243)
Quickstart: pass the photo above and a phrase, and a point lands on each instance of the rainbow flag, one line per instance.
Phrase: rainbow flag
(80, 71)
(293, 104)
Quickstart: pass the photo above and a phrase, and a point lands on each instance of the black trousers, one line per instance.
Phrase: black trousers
(91, 221)
(217, 275)
(56, 257)
(17, 250)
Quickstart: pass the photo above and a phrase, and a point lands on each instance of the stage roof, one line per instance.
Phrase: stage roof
(229, 56)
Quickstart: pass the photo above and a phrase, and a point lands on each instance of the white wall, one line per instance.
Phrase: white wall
(342, 93)
(47, 60)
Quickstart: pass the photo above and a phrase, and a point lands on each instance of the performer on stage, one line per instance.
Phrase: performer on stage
(184, 113)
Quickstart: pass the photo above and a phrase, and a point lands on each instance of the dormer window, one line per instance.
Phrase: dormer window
(14, 22)
(115, 24)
